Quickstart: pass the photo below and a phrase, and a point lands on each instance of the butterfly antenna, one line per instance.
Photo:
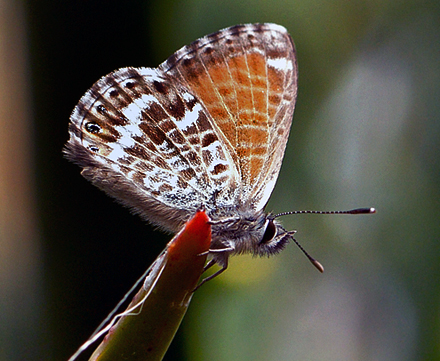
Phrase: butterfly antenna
(318, 265)
(311, 259)
(352, 211)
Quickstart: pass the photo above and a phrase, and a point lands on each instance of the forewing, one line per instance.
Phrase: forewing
(246, 77)
(147, 141)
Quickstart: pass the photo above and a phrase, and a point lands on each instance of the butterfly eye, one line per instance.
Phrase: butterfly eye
(270, 232)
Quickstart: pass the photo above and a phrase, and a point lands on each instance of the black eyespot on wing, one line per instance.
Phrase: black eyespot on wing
(92, 127)
(269, 233)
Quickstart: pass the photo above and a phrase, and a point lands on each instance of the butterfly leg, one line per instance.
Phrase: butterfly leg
(209, 265)
(217, 250)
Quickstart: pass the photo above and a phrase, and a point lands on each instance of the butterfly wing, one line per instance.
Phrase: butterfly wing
(246, 77)
(144, 139)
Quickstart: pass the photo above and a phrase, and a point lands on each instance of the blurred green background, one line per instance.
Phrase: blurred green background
(366, 132)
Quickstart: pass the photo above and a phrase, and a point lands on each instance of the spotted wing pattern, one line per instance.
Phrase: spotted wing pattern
(246, 76)
(208, 128)
(145, 140)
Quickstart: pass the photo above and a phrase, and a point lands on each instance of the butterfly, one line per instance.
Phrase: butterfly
(206, 129)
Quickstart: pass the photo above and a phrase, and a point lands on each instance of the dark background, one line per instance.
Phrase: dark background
(366, 132)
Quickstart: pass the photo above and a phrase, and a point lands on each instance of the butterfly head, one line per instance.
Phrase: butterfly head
(249, 231)
(257, 233)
